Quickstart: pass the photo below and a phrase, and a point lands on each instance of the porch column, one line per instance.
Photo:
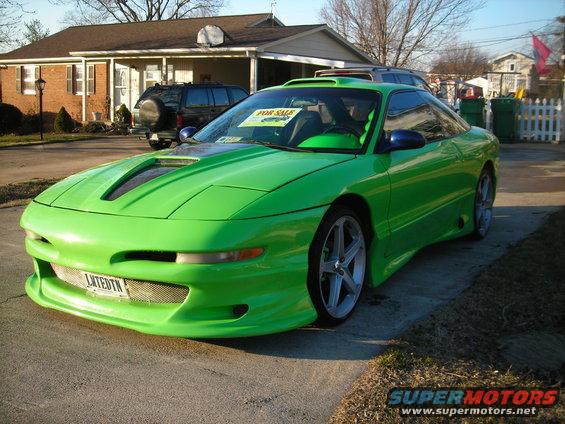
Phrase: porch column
(164, 71)
(84, 89)
(253, 74)
(111, 88)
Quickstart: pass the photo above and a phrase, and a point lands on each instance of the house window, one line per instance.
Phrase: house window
(25, 78)
(76, 79)
(79, 80)
(152, 75)
(512, 67)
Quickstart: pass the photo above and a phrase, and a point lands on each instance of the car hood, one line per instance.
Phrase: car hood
(203, 181)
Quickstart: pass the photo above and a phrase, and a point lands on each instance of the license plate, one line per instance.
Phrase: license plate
(154, 136)
(105, 285)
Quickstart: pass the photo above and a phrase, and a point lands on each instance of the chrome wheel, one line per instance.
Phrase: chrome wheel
(342, 267)
(483, 204)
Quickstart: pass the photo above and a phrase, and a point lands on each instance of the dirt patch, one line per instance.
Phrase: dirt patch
(506, 330)
(17, 193)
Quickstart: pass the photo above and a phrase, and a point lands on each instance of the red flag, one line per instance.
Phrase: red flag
(541, 53)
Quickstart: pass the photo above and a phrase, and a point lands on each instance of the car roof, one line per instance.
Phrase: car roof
(370, 69)
(344, 82)
(198, 84)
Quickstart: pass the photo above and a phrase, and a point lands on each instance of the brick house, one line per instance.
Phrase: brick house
(97, 68)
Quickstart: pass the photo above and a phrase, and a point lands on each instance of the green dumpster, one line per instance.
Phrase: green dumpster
(472, 111)
(504, 118)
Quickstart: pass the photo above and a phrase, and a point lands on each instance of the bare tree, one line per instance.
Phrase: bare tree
(97, 11)
(461, 61)
(398, 32)
(11, 11)
(34, 31)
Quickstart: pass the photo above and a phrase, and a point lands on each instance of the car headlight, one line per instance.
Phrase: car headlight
(219, 257)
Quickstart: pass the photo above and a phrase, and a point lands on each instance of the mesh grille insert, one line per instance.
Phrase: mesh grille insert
(141, 291)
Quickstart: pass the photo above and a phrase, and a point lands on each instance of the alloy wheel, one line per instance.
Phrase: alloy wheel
(342, 267)
(484, 200)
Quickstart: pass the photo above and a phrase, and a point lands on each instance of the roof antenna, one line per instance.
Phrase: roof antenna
(273, 6)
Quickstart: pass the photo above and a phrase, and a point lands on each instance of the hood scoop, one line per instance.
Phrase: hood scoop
(160, 167)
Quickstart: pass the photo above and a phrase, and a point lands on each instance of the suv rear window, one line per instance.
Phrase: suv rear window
(170, 96)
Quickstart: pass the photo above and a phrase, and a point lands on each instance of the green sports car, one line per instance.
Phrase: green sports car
(273, 216)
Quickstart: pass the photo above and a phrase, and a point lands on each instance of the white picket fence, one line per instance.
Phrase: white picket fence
(538, 120)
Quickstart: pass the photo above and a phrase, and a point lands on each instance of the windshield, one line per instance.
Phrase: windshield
(298, 118)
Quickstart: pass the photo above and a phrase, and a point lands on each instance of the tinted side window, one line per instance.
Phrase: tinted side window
(389, 78)
(452, 122)
(408, 111)
(197, 96)
(405, 79)
(420, 83)
(220, 95)
(237, 94)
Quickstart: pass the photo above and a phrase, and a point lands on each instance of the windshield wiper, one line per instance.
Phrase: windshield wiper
(275, 146)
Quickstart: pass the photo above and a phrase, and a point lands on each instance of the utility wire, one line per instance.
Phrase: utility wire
(507, 25)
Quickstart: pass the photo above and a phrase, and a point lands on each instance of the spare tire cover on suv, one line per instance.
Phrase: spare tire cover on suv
(152, 113)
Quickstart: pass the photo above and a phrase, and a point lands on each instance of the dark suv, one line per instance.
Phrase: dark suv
(163, 110)
(378, 74)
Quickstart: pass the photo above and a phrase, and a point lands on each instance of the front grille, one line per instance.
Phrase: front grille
(142, 291)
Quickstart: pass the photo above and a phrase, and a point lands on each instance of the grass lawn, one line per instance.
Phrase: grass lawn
(22, 140)
(11, 194)
(506, 330)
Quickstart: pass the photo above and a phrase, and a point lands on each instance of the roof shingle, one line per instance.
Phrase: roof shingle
(169, 34)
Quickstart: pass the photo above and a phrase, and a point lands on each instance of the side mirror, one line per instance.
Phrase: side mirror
(186, 133)
(403, 140)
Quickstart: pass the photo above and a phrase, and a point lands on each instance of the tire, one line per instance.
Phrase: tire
(153, 113)
(482, 208)
(160, 144)
(336, 277)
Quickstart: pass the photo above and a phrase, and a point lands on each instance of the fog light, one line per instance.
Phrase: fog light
(219, 257)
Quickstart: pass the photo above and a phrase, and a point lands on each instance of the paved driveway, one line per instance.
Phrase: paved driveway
(59, 368)
(57, 160)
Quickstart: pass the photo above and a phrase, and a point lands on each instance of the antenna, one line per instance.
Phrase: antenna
(273, 7)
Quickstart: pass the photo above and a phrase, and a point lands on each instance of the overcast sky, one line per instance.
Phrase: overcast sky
(520, 16)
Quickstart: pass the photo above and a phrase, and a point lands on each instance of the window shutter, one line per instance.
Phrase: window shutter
(18, 79)
(37, 74)
(91, 79)
(70, 74)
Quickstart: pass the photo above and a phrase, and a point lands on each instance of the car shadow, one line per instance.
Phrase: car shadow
(434, 276)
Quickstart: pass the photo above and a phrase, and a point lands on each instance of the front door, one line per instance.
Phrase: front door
(121, 86)
(422, 200)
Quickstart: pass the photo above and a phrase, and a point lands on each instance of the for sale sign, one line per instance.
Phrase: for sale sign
(275, 117)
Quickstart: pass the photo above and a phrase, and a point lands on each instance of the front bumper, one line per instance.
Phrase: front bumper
(273, 286)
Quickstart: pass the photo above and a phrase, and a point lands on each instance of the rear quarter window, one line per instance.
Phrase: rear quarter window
(220, 95)
(237, 94)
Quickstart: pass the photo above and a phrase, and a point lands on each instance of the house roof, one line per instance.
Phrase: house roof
(241, 31)
(502, 56)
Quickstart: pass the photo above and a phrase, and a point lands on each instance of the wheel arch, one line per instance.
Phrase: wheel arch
(490, 166)
(360, 205)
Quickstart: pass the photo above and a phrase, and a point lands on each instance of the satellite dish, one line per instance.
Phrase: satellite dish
(210, 35)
